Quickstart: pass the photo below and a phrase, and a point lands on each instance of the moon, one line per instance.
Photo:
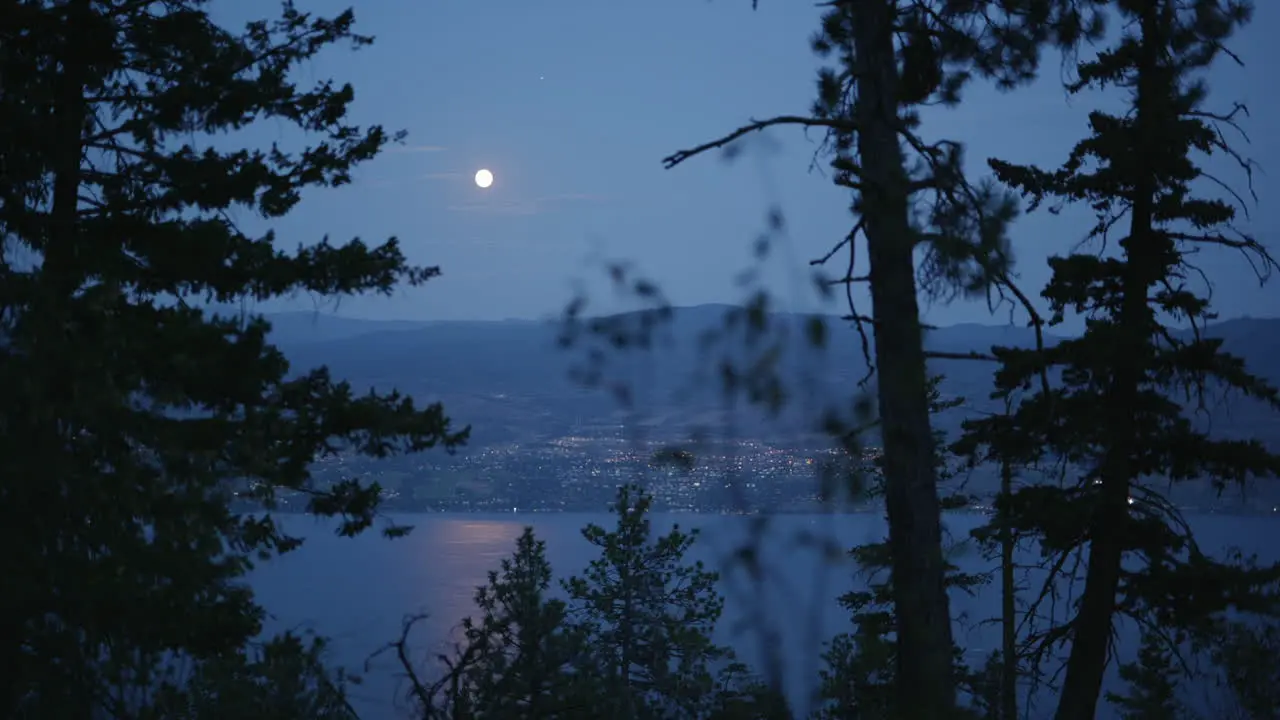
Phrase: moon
(484, 178)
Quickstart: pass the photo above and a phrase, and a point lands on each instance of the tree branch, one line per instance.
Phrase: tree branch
(850, 237)
(938, 355)
(756, 125)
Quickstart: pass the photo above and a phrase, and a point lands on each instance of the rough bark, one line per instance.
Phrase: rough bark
(925, 684)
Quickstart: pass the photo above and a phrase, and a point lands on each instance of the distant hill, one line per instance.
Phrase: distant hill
(511, 379)
(294, 328)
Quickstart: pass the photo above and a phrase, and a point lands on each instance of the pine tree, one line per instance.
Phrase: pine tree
(998, 439)
(284, 679)
(892, 56)
(648, 616)
(1152, 682)
(1245, 655)
(127, 416)
(518, 658)
(860, 677)
(742, 695)
(1116, 414)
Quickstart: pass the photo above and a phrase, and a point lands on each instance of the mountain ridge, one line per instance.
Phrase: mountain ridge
(501, 373)
(302, 326)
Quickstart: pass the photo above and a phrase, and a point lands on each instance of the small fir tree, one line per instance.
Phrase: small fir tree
(648, 616)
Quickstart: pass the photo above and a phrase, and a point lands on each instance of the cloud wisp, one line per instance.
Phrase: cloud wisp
(417, 148)
(524, 207)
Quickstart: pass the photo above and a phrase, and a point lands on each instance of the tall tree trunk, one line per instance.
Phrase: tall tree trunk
(67, 152)
(1008, 606)
(628, 640)
(59, 238)
(1089, 645)
(1087, 662)
(925, 683)
(11, 663)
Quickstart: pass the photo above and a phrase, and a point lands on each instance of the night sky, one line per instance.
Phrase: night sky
(573, 103)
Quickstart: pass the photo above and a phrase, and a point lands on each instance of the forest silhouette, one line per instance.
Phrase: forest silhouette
(131, 417)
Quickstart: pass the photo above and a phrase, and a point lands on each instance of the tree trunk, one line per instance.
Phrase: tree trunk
(11, 664)
(1090, 642)
(1008, 598)
(925, 684)
(59, 235)
(58, 263)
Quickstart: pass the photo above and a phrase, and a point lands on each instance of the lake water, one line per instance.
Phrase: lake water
(358, 590)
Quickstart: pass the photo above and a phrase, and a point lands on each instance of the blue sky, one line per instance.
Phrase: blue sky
(573, 104)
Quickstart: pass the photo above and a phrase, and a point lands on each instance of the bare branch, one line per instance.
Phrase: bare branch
(849, 238)
(1037, 323)
(401, 649)
(860, 319)
(756, 125)
(849, 280)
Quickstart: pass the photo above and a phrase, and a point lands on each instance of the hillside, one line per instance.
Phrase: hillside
(511, 380)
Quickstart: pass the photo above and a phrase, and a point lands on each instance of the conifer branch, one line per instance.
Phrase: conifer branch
(1255, 253)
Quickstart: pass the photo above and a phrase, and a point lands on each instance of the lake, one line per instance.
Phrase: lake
(358, 590)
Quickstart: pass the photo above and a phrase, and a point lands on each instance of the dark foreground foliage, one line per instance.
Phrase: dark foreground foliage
(129, 418)
(631, 638)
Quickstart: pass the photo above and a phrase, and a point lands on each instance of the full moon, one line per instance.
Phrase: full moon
(484, 178)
